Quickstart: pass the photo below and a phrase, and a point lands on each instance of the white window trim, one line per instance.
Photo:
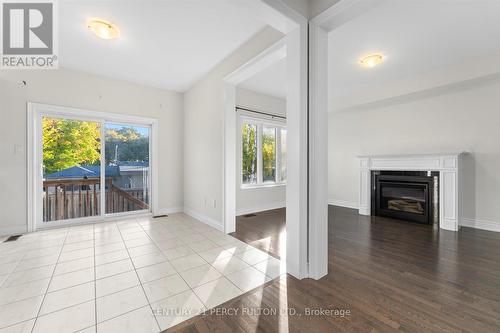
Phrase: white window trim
(35, 113)
(260, 123)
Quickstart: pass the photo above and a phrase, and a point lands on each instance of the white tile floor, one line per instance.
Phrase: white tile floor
(140, 275)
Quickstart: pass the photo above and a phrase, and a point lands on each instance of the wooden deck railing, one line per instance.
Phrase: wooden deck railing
(119, 200)
(73, 198)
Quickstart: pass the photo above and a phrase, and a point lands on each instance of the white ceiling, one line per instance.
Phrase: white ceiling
(421, 40)
(167, 44)
(417, 37)
(270, 81)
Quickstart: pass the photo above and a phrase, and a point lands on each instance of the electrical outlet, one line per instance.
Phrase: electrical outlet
(214, 203)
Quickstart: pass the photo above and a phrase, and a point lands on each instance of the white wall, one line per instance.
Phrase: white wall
(260, 102)
(80, 90)
(251, 200)
(310, 8)
(316, 7)
(204, 130)
(300, 6)
(466, 118)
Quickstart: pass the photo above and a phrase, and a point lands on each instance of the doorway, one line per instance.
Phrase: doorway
(89, 166)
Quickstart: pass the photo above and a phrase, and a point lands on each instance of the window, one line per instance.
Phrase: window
(263, 152)
(92, 168)
(71, 164)
(249, 153)
(283, 155)
(269, 155)
(127, 167)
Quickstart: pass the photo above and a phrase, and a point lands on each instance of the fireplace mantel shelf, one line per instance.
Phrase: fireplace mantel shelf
(411, 155)
(449, 166)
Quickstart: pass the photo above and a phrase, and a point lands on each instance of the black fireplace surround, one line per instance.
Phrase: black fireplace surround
(406, 195)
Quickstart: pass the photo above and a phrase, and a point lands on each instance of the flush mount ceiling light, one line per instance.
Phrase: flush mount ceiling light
(371, 60)
(103, 29)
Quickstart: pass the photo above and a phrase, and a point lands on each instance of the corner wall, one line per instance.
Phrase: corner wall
(464, 119)
(204, 132)
(252, 200)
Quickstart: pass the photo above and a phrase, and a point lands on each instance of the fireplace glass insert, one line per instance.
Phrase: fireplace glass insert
(406, 195)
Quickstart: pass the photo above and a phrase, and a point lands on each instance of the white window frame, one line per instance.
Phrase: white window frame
(260, 123)
(36, 112)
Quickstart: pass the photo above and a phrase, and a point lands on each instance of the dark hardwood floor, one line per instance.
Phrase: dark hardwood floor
(391, 276)
(266, 231)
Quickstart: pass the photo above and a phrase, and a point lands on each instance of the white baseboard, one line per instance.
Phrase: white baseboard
(466, 222)
(342, 203)
(261, 208)
(481, 224)
(205, 219)
(170, 210)
(13, 230)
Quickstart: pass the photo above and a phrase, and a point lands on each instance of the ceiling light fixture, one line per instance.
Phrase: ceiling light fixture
(371, 60)
(103, 29)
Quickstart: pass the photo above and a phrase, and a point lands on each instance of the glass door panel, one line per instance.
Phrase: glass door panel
(127, 168)
(71, 169)
(269, 154)
(404, 198)
(283, 155)
(249, 153)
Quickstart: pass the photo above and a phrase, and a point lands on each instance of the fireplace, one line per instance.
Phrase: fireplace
(406, 195)
(450, 168)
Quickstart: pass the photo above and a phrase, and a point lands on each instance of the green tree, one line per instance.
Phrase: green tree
(126, 144)
(67, 143)
(269, 154)
(249, 153)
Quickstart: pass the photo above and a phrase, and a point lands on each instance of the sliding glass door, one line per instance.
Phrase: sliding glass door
(71, 166)
(127, 168)
(92, 168)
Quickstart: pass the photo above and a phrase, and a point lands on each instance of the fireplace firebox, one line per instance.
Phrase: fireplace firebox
(406, 195)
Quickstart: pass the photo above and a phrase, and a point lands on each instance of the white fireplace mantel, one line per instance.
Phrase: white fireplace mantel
(450, 180)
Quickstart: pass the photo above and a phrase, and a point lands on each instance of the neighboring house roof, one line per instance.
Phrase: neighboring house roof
(89, 171)
(133, 166)
(94, 171)
(136, 164)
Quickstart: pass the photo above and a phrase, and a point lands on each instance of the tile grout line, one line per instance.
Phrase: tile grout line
(162, 229)
(70, 272)
(26, 298)
(26, 250)
(67, 307)
(80, 303)
(137, 274)
(114, 275)
(46, 291)
(178, 273)
(25, 270)
(23, 283)
(19, 262)
(95, 279)
(192, 289)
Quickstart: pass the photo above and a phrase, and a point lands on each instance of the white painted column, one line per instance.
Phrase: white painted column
(364, 187)
(296, 189)
(448, 200)
(229, 169)
(318, 152)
